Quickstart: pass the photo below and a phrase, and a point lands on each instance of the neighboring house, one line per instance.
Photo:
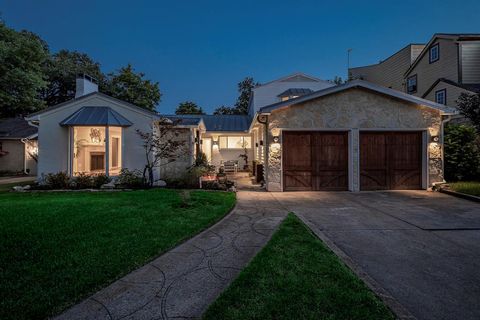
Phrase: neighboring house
(18, 147)
(304, 133)
(446, 66)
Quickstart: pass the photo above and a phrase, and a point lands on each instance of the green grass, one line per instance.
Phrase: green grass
(57, 248)
(472, 188)
(296, 277)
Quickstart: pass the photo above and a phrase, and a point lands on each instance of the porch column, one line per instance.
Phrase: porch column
(107, 151)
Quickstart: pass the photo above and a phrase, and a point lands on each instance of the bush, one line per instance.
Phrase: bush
(130, 178)
(59, 180)
(462, 157)
(100, 179)
(82, 181)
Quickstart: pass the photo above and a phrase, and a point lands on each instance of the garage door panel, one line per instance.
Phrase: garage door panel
(390, 160)
(298, 181)
(315, 161)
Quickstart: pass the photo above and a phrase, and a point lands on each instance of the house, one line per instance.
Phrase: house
(302, 132)
(97, 134)
(440, 70)
(18, 147)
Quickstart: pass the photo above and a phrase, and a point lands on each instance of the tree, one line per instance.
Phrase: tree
(241, 105)
(245, 89)
(129, 86)
(224, 110)
(462, 153)
(162, 146)
(189, 107)
(61, 70)
(469, 106)
(338, 80)
(22, 55)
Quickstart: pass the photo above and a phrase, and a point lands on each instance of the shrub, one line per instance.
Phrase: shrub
(82, 181)
(462, 158)
(130, 178)
(100, 179)
(59, 180)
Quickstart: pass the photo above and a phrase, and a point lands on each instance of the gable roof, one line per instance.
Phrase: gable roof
(96, 116)
(452, 36)
(16, 128)
(295, 92)
(469, 87)
(291, 77)
(359, 84)
(103, 95)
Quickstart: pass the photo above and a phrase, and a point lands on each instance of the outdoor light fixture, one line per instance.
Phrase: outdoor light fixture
(261, 142)
(201, 141)
(256, 144)
(435, 138)
(276, 139)
(215, 142)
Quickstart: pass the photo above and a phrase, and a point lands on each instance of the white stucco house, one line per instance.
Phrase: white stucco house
(301, 133)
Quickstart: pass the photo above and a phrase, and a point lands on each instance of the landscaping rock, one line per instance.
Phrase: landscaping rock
(159, 183)
(110, 185)
(27, 187)
(17, 188)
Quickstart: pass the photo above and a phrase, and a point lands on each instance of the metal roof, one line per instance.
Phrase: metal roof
(185, 120)
(16, 128)
(360, 84)
(96, 116)
(295, 92)
(226, 122)
(218, 123)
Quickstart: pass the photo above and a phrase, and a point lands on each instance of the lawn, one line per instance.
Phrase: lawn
(296, 277)
(472, 188)
(58, 248)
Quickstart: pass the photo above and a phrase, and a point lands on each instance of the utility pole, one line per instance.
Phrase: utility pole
(348, 63)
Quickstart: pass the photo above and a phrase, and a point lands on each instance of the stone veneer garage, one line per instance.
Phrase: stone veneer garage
(353, 137)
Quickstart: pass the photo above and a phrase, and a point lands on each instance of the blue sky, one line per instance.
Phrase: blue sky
(199, 50)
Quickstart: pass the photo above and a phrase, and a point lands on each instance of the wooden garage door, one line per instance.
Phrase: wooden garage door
(390, 160)
(315, 161)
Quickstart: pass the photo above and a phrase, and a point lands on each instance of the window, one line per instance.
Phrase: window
(232, 142)
(412, 84)
(90, 150)
(441, 96)
(434, 53)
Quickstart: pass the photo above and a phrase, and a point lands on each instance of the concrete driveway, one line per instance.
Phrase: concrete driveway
(422, 248)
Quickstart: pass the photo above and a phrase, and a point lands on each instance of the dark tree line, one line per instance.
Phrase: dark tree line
(32, 78)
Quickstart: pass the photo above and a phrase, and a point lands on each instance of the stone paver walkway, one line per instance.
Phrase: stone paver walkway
(182, 283)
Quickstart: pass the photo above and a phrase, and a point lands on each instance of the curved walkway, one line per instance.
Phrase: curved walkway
(181, 283)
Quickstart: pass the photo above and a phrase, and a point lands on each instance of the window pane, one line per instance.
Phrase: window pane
(223, 142)
(235, 142)
(88, 150)
(115, 156)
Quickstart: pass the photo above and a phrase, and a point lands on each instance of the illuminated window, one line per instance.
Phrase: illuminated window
(233, 142)
(89, 150)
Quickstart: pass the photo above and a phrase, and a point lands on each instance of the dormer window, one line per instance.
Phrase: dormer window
(434, 54)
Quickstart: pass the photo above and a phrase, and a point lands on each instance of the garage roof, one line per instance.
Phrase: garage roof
(360, 84)
(96, 116)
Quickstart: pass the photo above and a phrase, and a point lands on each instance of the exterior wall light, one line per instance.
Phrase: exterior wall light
(215, 143)
(276, 139)
(435, 139)
(261, 142)
(256, 144)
